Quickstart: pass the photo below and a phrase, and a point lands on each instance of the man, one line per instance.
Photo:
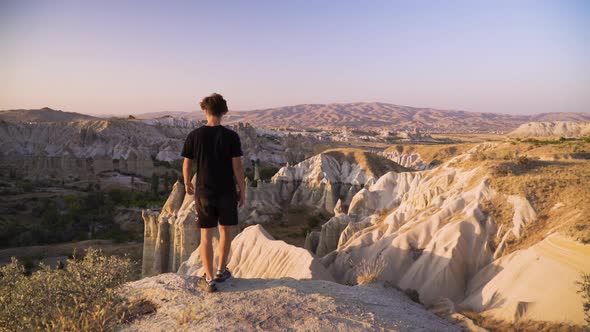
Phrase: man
(216, 151)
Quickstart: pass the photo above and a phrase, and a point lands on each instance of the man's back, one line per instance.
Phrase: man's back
(212, 148)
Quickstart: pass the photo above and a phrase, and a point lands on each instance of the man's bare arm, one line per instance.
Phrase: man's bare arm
(187, 168)
(239, 173)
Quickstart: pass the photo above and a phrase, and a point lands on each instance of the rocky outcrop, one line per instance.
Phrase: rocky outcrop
(425, 238)
(170, 236)
(330, 233)
(312, 239)
(276, 305)
(428, 231)
(318, 183)
(552, 129)
(255, 254)
(85, 148)
(410, 160)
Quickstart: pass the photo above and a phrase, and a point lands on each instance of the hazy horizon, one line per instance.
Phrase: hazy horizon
(107, 114)
(109, 57)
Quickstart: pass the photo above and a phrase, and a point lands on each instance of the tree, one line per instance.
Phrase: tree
(166, 182)
(155, 184)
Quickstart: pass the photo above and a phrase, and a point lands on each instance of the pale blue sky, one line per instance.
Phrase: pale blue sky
(122, 57)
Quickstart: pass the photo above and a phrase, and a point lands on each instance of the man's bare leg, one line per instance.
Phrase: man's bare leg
(225, 238)
(207, 251)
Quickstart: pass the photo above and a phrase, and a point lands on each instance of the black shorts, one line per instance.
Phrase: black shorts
(222, 210)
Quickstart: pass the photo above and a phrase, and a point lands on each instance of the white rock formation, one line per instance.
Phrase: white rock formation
(427, 231)
(171, 236)
(318, 182)
(86, 148)
(409, 160)
(552, 129)
(330, 233)
(255, 254)
(537, 283)
(312, 239)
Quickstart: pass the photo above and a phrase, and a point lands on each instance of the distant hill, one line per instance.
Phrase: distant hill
(368, 116)
(552, 129)
(560, 116)
(395, 117)
(45, 114)
(195, 115)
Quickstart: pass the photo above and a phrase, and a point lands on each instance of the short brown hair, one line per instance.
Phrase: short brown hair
(214, 104)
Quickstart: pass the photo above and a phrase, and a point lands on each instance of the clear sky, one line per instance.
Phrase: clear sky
(129, 57)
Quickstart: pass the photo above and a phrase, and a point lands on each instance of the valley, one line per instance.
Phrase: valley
(468, 223)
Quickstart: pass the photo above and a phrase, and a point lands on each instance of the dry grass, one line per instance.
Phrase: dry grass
(132, 251)
(584, 290)
(495, 325)
(192, 314)
(369, 271)
(79, 297)
(501, 212)
(547, 184)
(545, 175)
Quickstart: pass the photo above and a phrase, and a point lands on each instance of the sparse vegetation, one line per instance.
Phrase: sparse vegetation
(266, 172)
(72, 218)
(584, 289)
(495, 325)
(368, 271)
(545, 141)
(79, 297)
(191, 313)
(295, 223)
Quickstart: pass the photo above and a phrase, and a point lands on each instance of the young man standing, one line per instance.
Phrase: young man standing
(216, 151)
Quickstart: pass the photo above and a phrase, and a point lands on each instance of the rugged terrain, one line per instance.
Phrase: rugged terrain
(362, 115)
(391, 116)
(480, 230)
(85, 149)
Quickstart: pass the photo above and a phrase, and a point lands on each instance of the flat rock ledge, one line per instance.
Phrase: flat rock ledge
(276, 305)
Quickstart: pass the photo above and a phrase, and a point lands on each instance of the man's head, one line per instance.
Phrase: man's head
(214, 105)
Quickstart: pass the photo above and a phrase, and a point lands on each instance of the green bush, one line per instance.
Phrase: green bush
(80, 297)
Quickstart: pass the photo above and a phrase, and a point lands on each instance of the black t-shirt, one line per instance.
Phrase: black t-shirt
(212, 148)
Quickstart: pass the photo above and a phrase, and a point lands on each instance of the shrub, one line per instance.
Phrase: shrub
(478, 156)
(585, 291)
(80, 297)
(522, 161)
(369, 271)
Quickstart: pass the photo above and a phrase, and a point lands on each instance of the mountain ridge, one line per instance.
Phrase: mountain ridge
(360, 115)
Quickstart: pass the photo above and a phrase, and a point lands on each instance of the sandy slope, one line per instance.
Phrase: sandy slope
(527, 283)
(277, 305)
(255, 254)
